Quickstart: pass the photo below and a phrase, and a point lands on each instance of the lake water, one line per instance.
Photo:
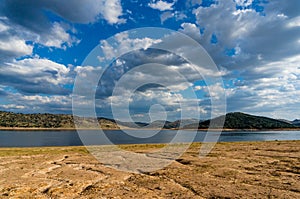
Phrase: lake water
(71, 138)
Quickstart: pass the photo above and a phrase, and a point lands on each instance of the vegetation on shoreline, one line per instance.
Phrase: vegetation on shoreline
(63, 121)
(46, 120)
(245, 121)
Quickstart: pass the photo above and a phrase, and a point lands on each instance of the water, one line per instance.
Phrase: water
(71, 138)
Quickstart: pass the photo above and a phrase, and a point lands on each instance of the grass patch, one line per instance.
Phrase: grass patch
(135, 147)
(40, 150)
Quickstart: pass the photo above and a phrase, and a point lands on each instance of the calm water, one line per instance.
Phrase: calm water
(71, 138)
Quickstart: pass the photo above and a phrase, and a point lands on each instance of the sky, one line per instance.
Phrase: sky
(255, 45)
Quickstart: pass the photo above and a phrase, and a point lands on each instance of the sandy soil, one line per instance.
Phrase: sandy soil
(231, 170)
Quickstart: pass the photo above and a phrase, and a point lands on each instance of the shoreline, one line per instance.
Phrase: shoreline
(142, 129)
(143, 145)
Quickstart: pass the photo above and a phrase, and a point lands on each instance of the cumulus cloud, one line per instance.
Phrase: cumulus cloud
(170, 67)
(35, 80)
(12, 106)
(43, 104)
(256, 47)
(149, 72)
(11, 44)
(150, 77)
(124, 44)
(191, 30)
(270, 89)
(14, 47)
(259, 50)
(31, 13)
(165, 16)
(250, 37)
(244, 3)
(58, 37)
(111, 11)
(17, 41)
(177, 15)
(29, 20)
(35, 75)
(161, 5)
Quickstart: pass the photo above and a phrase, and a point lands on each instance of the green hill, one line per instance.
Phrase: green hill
(232, 121)
(9, 119)
(46, 120)
(244, 121)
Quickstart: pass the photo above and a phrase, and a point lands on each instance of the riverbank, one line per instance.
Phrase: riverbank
(231, 170)
(127, 128)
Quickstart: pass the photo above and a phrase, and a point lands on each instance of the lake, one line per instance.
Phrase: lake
(71, 138)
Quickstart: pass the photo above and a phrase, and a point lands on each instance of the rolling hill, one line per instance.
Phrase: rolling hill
(239, 120)
(232, 121)
(46, 120)
(296, 123)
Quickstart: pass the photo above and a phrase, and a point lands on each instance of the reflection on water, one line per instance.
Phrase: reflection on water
(71, 138)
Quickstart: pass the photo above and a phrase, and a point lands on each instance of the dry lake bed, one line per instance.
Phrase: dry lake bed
(231, 170)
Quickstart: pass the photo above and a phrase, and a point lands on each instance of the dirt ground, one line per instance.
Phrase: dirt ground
(231, 170)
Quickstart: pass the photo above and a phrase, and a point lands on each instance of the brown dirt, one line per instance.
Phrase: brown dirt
(231, 170)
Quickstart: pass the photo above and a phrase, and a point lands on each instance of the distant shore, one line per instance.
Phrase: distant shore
(115, 129)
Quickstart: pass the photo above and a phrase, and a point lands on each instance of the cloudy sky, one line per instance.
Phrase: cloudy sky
(254, 43)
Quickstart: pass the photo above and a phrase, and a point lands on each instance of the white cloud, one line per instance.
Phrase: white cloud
(270, 88)
(191, 30)
(255, 35)
(57, 37)
(33, 25)
(111, 11)
(165, 16)
(174, 78)
(39, 70)
(265, 54)
(265, 63)
(178, 15)
(13, 39)
(46, 99)
(12, 106)
(194, 2)
(77, 11)
(3, 27)
(213, 91)
(36, 103)
(14, 46)
(35, 75)
(294, 22)
(161, 5)
(125, 44)
(244, 3)
(140, 102)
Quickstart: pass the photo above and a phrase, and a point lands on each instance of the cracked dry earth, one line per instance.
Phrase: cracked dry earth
(231, 170)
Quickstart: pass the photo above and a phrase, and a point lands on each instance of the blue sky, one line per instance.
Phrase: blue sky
(254, 43)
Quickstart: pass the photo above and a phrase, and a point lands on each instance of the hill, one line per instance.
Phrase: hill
(239, 120)
(296, 123)
(46, 120)
(160, 123)
(181, 123)
(232, 121)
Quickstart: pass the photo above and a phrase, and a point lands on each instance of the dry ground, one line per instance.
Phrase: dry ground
(231, 170)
